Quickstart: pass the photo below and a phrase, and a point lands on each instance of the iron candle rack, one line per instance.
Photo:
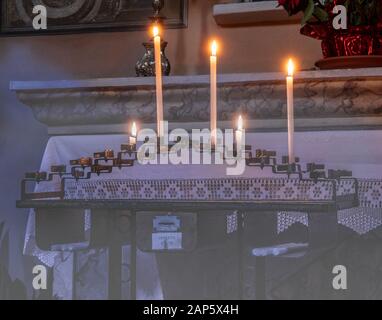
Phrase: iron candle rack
(106, 161)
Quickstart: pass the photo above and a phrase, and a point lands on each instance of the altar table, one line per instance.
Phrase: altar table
(206, 187)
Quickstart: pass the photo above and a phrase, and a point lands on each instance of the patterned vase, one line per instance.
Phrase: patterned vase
(146, 66)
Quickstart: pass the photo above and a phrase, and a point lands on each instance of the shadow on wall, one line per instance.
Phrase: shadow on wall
(9, 289)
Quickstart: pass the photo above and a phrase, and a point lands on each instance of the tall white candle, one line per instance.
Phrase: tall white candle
(213, 90)
(290, 106)
(133, 136)
(158, 81)
(239, 134)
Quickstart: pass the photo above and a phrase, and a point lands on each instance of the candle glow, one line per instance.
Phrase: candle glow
(214, 48)
(240, 123)
(290, 68)
(133, 136)
(155, 31)
(134, 130)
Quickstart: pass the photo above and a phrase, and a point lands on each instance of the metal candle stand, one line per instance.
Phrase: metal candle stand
(104, 162)
(145, 67)
(320, 212)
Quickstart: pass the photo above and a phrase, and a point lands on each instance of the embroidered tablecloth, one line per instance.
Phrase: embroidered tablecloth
(209, 182)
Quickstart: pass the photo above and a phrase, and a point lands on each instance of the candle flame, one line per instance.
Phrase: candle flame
(214, 48)
(290, 68)
(240, 123)
(134, 130)
(155, 31)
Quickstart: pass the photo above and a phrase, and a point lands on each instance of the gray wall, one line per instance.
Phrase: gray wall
(22, 139)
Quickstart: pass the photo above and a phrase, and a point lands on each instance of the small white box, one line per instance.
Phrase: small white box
(167, 241)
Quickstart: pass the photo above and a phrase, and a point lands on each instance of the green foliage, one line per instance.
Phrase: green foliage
(309, 11)
(364, 12)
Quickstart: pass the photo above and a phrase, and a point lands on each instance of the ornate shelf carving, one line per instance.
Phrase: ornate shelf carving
(332, 99)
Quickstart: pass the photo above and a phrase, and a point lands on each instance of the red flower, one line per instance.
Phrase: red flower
(293, 6)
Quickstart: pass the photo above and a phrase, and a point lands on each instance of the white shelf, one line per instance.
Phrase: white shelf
(252, 13)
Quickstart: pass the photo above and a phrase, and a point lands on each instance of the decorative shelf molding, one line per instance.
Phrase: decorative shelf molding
(251, 13)
(330, 99)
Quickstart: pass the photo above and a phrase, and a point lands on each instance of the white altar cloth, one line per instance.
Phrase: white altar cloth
(358, 151)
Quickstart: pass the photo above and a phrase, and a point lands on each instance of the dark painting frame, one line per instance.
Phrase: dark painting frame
(176, 12)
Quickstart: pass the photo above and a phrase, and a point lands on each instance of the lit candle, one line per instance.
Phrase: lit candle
(239, 134)
(133, 137)
(213, 90)
(290, 105)
(158, 81)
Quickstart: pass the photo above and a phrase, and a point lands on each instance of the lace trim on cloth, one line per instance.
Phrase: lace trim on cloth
(202, 189)
(30, 245)
(360, 220)
(287, 219)
(370, 193)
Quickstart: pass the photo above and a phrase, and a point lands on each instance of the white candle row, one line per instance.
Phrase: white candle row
(213, 96)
